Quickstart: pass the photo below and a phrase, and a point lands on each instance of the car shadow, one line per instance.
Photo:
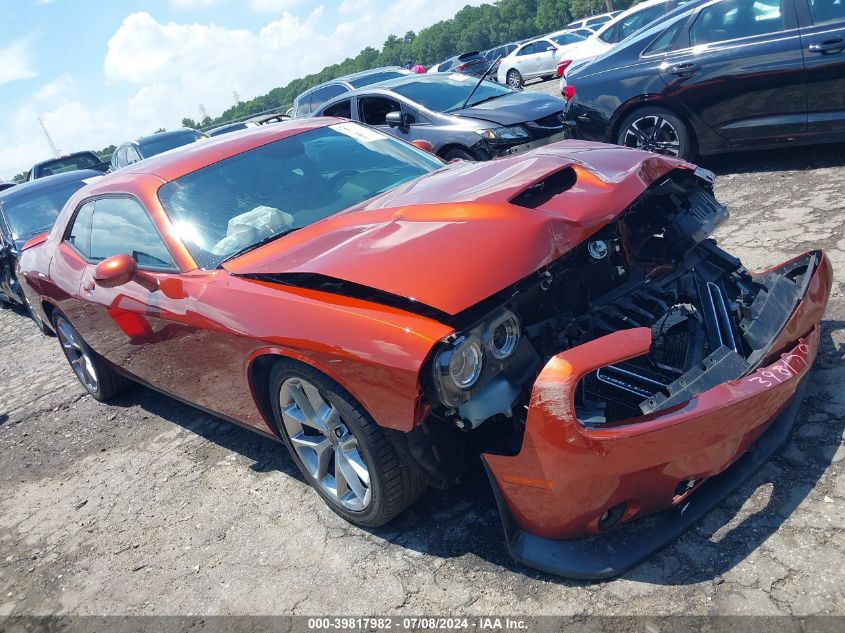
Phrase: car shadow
(777, 159)
(266, 455)
(464, 520)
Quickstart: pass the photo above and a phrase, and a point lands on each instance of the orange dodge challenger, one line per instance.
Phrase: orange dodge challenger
(561, 313)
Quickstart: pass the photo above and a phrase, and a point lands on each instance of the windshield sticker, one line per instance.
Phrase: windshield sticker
(358, 132)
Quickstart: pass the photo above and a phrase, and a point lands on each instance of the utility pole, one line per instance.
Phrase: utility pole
(609, 4)
(56, 152)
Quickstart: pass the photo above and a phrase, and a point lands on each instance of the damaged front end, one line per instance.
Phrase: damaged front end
(622, 378)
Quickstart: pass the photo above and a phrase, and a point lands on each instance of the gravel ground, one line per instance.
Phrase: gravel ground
(148, 506)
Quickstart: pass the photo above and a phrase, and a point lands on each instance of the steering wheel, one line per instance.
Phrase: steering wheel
(336, 181)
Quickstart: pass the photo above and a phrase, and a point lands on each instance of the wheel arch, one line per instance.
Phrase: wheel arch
(259, 366)
(647, 101)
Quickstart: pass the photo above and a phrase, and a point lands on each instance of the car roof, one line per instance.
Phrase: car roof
(46, 182)
(159, 135)
(345, 79)
(228, 126)
(63, 156)
(183, 160)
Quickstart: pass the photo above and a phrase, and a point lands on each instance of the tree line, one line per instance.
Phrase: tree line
(472, 28)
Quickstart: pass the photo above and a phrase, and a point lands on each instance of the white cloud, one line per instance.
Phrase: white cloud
(16, 61)
(175, 67)
(56, 88)
(179, 66)
(72, 125)
(273, 6)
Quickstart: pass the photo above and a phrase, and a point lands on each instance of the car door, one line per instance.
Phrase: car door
(137, 324)
(546, 60)
(373, 110)
(823, 42)
(738, 68)
(525, 60)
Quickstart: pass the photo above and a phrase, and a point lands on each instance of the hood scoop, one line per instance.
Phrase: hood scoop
(541, 192)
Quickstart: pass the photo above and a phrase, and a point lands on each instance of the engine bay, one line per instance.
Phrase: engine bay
(654, 267)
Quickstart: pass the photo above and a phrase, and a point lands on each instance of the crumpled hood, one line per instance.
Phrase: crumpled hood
(452, 238)
(514, 108)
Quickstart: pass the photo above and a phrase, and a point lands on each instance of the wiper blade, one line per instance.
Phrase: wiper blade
(486, 99)
(258, 244)
(480, 79)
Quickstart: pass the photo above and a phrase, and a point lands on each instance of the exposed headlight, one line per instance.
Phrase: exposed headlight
(503, 336)
(513, 133)
(465, 363)
(458, 368)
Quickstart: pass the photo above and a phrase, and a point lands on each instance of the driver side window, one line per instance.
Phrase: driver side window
(374, 110)
(529, 49)
(122, 225)
(735, 19)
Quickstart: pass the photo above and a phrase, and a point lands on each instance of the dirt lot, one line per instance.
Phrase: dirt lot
(148, 506)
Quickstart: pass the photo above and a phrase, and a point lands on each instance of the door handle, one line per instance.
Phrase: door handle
(684, 68)
(834, 44)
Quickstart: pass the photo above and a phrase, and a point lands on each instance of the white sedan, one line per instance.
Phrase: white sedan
(537, 58)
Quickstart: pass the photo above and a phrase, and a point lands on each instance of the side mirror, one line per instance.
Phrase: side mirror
(118, 270)
(551, 49)
(423, 145)
(394, 119)
(399, 119)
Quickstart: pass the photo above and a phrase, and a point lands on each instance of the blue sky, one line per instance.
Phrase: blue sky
(102, 71)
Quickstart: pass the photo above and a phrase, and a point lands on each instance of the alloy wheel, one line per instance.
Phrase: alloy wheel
(514, 79)
(325, 444)
(654, 134)
(77, 354)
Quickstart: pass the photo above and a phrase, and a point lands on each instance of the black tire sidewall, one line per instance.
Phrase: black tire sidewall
(354, 417)
(109, 382)
(458, 153)
(685, 137)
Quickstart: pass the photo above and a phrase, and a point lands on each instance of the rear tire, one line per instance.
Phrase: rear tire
(339, 449)
(658, 130)
(515, 79)
(98, 378)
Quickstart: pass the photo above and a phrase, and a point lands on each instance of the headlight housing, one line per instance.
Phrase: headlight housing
(512, 133)
(466, 361)
(503, 336)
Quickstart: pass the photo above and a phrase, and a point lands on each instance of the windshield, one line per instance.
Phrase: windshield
(446, 94)
(567, 38)
(37, 211)
(152, 145)
(368, 80)
(243, 201)
(68, 163)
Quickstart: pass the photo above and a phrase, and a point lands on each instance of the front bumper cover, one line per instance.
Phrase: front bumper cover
(553, 494)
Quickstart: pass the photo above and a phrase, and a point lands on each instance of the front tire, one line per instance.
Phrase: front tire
(99, 380)
(658, 130)
(515, 79)
(458, 153)
(342, 453)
